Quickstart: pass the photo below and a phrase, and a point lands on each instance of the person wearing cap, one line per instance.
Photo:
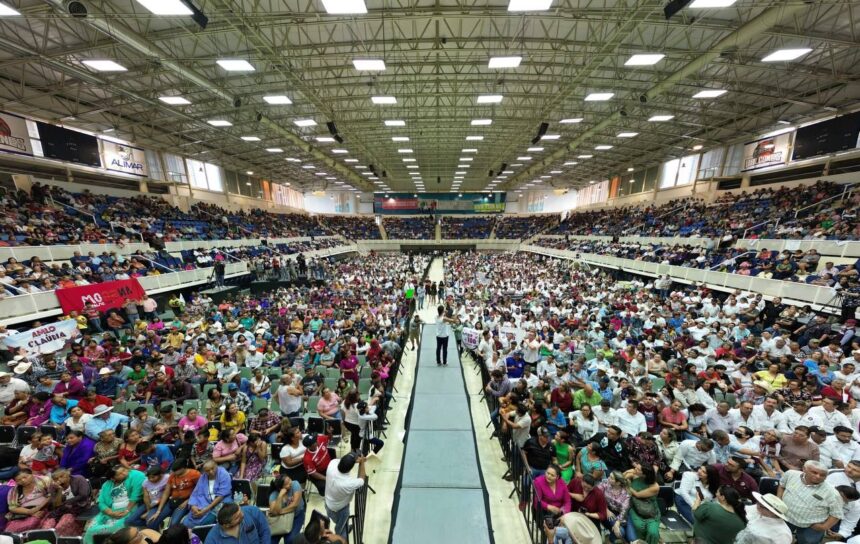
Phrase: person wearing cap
(316, 459)
(239, 398)
(103, 418)
(814, 506)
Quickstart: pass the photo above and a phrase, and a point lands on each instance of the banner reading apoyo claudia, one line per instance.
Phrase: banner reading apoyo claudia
(45, 339)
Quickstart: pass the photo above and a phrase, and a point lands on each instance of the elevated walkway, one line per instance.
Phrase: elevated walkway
(441, 495)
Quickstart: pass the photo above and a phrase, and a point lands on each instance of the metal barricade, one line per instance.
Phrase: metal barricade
(359, 510)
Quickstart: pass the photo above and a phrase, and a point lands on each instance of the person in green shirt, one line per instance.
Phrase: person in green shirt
(315, 324)
(586, 395)
(248, 322)
(718, 521)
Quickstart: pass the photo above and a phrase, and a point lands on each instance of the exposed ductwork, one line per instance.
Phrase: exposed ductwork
(751, 30)
(124, 35)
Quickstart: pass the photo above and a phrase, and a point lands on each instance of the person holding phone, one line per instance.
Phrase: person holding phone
(701, 484)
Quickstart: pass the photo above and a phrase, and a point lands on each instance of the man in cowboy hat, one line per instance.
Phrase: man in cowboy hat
(766, 521)
(103, 418)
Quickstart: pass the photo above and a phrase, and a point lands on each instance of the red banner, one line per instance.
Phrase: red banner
(104, 296)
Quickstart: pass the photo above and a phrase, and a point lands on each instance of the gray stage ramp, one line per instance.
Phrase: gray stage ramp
(440, 496)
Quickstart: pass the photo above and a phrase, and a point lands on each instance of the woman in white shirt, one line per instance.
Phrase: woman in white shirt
(702, 483)
(584, 421)
(704, 395)
(78, 419)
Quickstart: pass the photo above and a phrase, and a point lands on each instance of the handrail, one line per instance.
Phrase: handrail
(760, 224)
(92, 215)
(155, 263)
(227, 253)
(839, 196)
(733, 259)
(252, 233)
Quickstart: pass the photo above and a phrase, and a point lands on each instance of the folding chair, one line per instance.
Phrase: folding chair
(670, 518)
(312, 406)
(41, 534)
(23, 434)
(768, 485)
(316, 425)
(262, 499)
(244, 487)
(298, 422)
(202, 530)
(7, 434)
(49, 430)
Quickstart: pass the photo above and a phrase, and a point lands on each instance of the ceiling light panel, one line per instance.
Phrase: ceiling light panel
(649, 59)
(235, 65)
(570, 121)
(490, 99)
(785, 55)
(710, 93)
(599, 97)
(344, 7)
(305, 123)
(627, 134)
(278, 100)
(220, 123)
(369, 65)
(660, 118)
(383, 100)
(504, 62)
(104, 65)
(395, 123)
(174, 100)
(481, 122)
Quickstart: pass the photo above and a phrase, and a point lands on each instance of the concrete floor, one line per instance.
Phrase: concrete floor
(507, 521)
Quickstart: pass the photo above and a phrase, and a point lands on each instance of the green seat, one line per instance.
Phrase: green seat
(150, 409)
(260, 403)
(332, 373)
(331, 383)
(312, 405)
(190, 404)
(276, 371)
(365, 372)
(246, 372)
(364, 387)
(719, 396)
(730, 398)
(131, 406)
(170, 403)
(657, 383)
(361, 359)
(119, 408)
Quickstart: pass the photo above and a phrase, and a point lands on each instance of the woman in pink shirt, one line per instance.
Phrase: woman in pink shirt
(551, 493)
(329, 405)
(229, 450)
(192, 421)
(349, 367)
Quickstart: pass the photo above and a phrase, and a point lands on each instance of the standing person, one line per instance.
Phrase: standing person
(814, 506)
(340, 488)
(443, 331)
(431, 293)
(220, 269)
(415, 331)
(150, 307)
(421, 292)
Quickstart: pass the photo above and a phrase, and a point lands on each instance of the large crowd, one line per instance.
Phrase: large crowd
(195, 418)
(800, 266)
(634, 403)
(763, 213)
(410, 228)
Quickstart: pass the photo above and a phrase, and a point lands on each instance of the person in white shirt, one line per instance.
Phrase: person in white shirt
(766, 416)
(851, 513)
(340, 487)
(546, 367)
(705, 480)
(606, 415)
(827, 416)
(721, 419)
(485, 348)
(630, 420)
(692, 454)
(765, 522)
(798, 414)
(838, 449)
